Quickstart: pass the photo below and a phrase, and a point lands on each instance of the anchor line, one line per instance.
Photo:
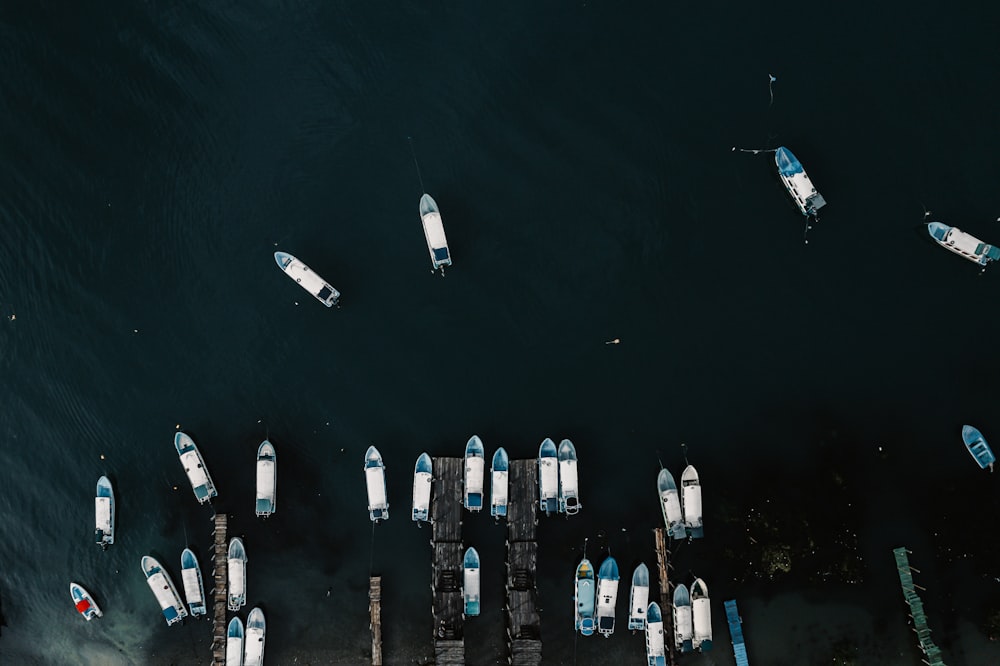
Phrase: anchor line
(413, 152)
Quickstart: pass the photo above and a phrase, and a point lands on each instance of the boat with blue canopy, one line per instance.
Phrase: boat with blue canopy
(548, 477)
(963, 244)
(797, 182)
(194, 587)
(423, 475)
(569, 484)
(978, 447)
(163, 589)
(656, 654)
(499, 483)
(236, 567)
(638, 598)
(253, 644)
(84, 603)
(475, 469)
(607, 596)
(670, 504)
(194, 467)
(234, 643)
(104, 513)
(378, 502)
(307, 278)
(683, 620)
(470, 582)
(585, 596)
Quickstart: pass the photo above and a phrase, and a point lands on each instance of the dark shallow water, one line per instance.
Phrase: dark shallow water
(156, 155)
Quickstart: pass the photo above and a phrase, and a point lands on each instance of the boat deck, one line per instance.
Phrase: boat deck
(448, 605)
(523, 621)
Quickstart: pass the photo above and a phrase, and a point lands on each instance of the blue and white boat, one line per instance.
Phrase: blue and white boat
(194, 587)
(194, 467)
(978, 447)
(683, 620)
(423, 475)
(638, 598)
(104, 513)
(797, 182)
(378, 503)
(267, 479)
(691, 502)
(253, 644)
(701, 616)
(163, 589)
(470, 582)
(84, 603)
(585, 596)
(607, 596)
(236, 566)
(475, 468)
(437, 242)
(963, 244)
(306, 278)
(234, 643)
(499, 482)
(548, 477)
(569, 484)
(670, 504)
(656, 653)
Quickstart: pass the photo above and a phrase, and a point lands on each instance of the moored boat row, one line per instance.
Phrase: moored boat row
(245, 647)
(692, 617)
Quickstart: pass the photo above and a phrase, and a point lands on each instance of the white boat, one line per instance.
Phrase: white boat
(638, 598)
(701, 613)
(423, 475)
(963, 244)
(656, 653)
(194, 588)
(569, 485)
(163, 589)
(308, 279)
(84, 603)
(104, 510)
(499, 481)
(691, 502)
(234, 643)
(437, 243)
(194, 467)
(607, 596)
(683, 622)
(253, 650)
(475, 465)
(548, 477)
(236, 564)
(470, 582)
(378, 503)
(267, 479)
(585, 596)
(670, 504)
(797, 182)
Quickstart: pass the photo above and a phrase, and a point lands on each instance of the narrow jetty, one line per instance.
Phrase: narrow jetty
(448, 606)
(220, 572)
(666, 592)
(736, 633)
(523, 622)
(920, 628)
(375, 609)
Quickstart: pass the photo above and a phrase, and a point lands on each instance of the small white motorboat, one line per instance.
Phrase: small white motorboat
(670, 504)
(607, 596)
(267, 479)
(683, 623)
(797, 182)
(548, 477)
(194, 587)
(701, 615)
(499, 481)
(378, 503)
(308, 279)
(437, 243)
(691, 502)
(963, 244)
(470, 582)
(253, 652)
(475, 466)
(423, 476)
(163, 589)
(104, 510)
(236, 564)
(569, 485)
(234, 643)
(638, 598)
(84, 603)
(656, 654)
(194, 467)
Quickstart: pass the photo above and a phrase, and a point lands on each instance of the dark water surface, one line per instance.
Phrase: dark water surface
(154, 156)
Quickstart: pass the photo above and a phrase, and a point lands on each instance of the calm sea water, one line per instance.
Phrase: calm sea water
(155, 156)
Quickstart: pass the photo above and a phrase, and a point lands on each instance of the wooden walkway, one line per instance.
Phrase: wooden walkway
(375, 609)
(219, 581)
(448, 606)
(666, 592)
(523, 622)
(920, 628)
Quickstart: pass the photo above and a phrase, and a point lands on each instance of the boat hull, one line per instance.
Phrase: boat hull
(585, 596)
(422, 479)
(306, 278)
(569, 485)
(104, 513)
(470, 582)
(84, 603)
(548, 478)
(164, 590)
(267, 480)
(236, 565)
(638, 598)
(607, 596)
(798, 183)
(378, 503)
(437, 242)
(475, 465)
(194, 588)
(256, 630)
(194, 467)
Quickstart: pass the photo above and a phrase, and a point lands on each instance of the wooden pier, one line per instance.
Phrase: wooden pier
(666, 592)
(920, 628)
(523, 622)
(219, 580)
(448, 606)
(375, 609)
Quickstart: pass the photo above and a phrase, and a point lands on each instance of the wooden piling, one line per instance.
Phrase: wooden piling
(219, 581)
(666, 591)
(375, 609)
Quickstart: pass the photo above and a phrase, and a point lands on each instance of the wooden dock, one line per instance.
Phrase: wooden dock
(920, 628)
(523, 622)
(448, 606)
(666, 592)
(219, 581)
(375, 609)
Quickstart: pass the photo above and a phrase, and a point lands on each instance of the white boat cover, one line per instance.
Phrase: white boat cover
(499, 488)
(692, 505)
(234, 651)
(607, 597)
(434, 231)
(237, 577)
(671, 506)
(683, 627)
(195, 468)
(471, 584)
(102, 510)
(548, 479)
(307, 278)
(192, 586)
(375, 479)
(640, 602)
(474, 467)
(702, 618)
(422, 491)
(654, 640)
(567, 478)
(253, 646)
(265, 479)
(164, 592)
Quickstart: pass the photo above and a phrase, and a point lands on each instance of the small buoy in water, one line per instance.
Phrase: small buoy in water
(135, 330)
(102, 456)
(175, 487)
(616, 341)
